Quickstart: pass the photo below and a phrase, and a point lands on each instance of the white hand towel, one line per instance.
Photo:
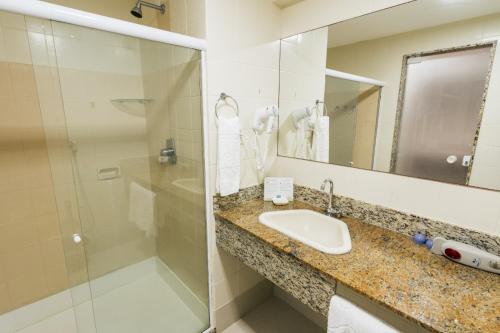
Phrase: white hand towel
(345, 317)
(321, 139)
(228, 155)
(303, 140)
(141, 208)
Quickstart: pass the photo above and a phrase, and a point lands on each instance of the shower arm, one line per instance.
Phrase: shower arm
(161, 7)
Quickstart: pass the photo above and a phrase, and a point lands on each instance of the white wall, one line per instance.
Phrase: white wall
(302, 82)
(243, 61)
(312, 14)
(467, 207)
(373, 58)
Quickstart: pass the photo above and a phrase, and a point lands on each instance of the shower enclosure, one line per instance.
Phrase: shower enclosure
(353, 104)
(102, 182)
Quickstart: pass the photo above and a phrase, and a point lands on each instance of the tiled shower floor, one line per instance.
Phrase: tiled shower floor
(148, 304)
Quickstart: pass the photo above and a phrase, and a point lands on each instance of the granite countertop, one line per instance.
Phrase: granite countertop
(390, 269)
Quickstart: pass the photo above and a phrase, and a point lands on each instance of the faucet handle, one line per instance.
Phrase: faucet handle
(323, 185)
(332, 212)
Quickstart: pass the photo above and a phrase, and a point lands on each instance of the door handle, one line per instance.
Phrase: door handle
(77, 239)
(451, 159)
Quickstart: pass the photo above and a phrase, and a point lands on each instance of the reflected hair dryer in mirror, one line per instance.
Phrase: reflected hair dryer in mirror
(300, 114)
(264, 119)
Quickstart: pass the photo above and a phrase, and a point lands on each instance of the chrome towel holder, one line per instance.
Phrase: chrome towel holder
(316, 106)
(223, 99)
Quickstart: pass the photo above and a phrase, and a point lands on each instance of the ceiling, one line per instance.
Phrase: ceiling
(408, 17)
(285, 3)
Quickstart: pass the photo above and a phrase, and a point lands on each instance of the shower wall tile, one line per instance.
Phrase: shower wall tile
(18, 235)
(48, 226)
(187, 17)
(4, 298)
(105, 135)
(28, 211)
(54, 268)
(15, 46)
(24, 275)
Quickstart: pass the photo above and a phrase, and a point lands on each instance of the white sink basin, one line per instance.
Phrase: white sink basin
(324, 233)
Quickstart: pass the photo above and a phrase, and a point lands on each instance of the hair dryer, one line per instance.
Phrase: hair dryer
(262, 116)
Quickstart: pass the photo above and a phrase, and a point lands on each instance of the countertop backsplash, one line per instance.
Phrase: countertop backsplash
(391, 219)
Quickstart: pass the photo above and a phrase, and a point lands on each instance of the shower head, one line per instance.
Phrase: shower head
(137, 10)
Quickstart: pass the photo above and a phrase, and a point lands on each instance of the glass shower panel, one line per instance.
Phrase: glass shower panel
(39, 210)
(133, 117)
(352, 108)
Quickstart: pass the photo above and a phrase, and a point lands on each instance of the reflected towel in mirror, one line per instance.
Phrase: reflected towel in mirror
(321, 139)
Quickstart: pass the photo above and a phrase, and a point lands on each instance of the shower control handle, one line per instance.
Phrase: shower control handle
(168, 154)
(77, 239)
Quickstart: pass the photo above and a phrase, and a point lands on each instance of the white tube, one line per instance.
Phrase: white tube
(73, 16)
(352, 77)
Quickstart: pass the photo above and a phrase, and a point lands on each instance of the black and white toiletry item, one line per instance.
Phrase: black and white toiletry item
(466, 254)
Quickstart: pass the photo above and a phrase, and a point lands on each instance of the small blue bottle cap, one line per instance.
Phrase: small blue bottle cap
(419, 238)
(428, 244)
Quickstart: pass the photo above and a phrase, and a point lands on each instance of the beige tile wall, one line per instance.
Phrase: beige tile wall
(182, 16)
(243, 61)
(105, 134)
(59, 151)
(32, 264)
(172, 80)
(38, 195)
(366, 124)
(120, 9)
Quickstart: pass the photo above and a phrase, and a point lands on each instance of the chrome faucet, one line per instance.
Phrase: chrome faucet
(330, 211)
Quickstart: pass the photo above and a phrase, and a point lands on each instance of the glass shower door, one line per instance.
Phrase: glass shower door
(133, 117)
(353, 110)
(101, 182)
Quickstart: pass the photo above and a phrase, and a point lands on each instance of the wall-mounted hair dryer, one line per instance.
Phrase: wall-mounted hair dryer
(263, 119)
(300, 114)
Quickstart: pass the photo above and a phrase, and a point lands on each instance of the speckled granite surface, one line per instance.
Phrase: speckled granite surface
(311, 287)
(403, 223)
(386, 267)
(236, 199)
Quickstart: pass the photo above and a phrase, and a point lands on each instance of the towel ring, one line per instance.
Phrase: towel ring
(223, 98)
(317, 103)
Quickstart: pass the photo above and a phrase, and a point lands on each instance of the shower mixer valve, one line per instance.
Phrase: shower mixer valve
(168, 154)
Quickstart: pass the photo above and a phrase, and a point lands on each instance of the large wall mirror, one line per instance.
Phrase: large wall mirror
(413, 90)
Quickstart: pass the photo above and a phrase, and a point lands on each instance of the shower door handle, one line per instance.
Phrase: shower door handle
(77, 239)
(451, 159)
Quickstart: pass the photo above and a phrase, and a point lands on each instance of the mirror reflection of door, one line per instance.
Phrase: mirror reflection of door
(440, 113)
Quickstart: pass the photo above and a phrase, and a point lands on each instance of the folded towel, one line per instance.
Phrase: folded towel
(345, 317)
(321, 139)
(141, 208)
(228, 155)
